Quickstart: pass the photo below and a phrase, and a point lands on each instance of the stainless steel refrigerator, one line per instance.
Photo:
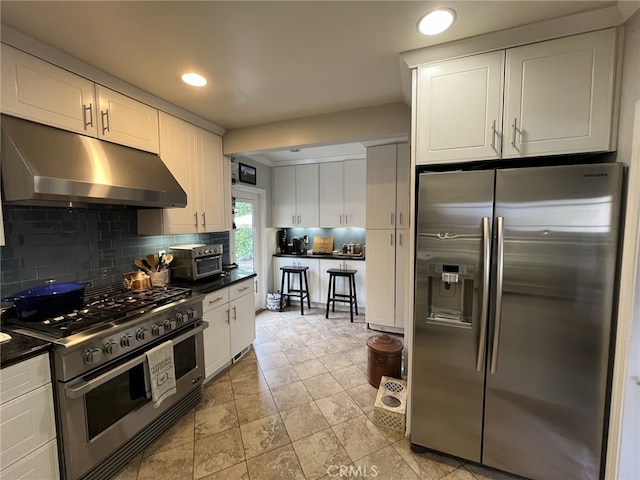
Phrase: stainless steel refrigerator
(514, 307)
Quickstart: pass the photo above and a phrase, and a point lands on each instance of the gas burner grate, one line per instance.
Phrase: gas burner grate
(105, 304)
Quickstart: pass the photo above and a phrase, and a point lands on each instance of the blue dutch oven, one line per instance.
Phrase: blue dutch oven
(47, 301)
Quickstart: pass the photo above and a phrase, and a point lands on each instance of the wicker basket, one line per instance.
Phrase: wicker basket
(390, 409)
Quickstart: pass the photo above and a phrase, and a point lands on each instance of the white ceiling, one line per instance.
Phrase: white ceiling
(265, 60)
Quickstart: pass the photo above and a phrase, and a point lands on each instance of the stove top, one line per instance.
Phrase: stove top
(104, 305)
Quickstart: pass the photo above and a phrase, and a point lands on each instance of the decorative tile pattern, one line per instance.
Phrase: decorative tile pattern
(215, 419)
(253, 407)
(303, 420)
(359, 437)
(289, 396)
(176, 463)
(263, 435)
(320, 454)
(276, 465)
(217, 452)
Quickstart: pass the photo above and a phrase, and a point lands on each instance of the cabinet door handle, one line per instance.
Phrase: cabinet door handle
(195, 219)
(235, 314)
(400, 217)
(392, 219)
(340, 219)
(515, 131)
(106, 127)
(84, 114)
(204, 220)
(299, 219)
(493, 135)
(293, 219)
(391, 239)
(400, 239)
(228, 319)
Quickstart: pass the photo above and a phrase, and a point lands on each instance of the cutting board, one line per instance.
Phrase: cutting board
(322, 244)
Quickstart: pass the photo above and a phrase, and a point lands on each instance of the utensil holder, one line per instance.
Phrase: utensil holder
(159, 279)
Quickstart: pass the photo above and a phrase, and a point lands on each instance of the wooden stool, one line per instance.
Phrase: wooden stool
(334, 297)
(302, 292)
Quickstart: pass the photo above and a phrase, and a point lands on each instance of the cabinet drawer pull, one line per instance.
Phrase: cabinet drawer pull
(106, 127)
(84, 114)
(217, 299)
(243, 289)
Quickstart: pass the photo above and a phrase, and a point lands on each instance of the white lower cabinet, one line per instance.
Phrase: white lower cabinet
(342, 286)
(27, 421)
(230, 313)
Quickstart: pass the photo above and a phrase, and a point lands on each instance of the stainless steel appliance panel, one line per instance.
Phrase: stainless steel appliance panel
(556, 241)
(103, 410)
(453, 247)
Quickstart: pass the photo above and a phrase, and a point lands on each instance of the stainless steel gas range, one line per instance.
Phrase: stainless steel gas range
(104, 408)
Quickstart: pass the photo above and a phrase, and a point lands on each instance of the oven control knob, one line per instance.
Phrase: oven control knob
(111, 347)
(125, 341)
(168, 325)
(93, 355)
(180, 318)
(141, 334)
(156, 330)
(191, 313)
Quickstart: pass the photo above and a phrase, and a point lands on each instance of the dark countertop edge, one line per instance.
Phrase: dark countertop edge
(327, 256)
(205, 286)
(21, 347)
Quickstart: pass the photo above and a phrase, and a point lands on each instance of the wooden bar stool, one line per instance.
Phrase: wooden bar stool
(302, 292)
(334, 297)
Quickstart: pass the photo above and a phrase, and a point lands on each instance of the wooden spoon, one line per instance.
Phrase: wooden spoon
(152, 260)
(140, 264)
(168, 258)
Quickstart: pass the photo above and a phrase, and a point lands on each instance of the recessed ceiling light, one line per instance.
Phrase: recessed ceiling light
(437, 21)
(194, 79)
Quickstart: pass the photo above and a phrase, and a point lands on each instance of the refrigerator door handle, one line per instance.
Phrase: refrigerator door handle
(486, 252)
(499, 281)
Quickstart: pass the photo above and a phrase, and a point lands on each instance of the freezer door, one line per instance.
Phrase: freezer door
(549, 356)
(453, 247)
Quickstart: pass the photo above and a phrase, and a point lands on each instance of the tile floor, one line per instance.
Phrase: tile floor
(298, 406)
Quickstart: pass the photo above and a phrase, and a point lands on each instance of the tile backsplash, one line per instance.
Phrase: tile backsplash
(87, 245)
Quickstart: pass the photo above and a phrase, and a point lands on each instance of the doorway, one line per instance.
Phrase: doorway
(247, 243)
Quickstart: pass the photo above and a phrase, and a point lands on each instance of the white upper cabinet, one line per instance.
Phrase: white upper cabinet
(460, 108)
(559, 96)
(296, 196)
(343, 194)
(194, 157)
(387, 186)
(41, 92)
(127, 121)
(558, 99)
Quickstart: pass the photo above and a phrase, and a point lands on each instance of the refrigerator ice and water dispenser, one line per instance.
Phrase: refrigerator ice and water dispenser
(450, 294)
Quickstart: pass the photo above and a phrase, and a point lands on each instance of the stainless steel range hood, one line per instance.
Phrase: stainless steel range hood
(43, 165)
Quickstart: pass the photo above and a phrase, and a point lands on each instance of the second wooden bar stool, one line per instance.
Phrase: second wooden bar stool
(302, 292)
(334, 297)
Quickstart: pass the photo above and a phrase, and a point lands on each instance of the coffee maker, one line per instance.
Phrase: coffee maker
(281, 242)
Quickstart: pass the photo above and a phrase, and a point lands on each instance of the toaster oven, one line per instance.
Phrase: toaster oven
(196, 261)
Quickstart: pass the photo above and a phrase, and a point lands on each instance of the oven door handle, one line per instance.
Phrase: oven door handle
(81, 387)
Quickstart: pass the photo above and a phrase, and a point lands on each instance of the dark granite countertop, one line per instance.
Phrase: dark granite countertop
(211, 285)
(20, 347)
(320, 256)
